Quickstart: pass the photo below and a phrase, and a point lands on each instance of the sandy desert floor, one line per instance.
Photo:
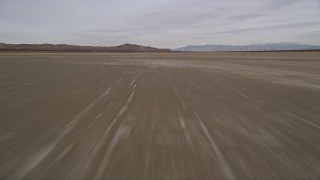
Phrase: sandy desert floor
(160, 116)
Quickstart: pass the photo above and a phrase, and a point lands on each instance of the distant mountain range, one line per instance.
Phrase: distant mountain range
(253, 47)
(139, 48)
(76, 48)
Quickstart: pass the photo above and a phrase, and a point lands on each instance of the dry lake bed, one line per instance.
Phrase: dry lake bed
(160, 115)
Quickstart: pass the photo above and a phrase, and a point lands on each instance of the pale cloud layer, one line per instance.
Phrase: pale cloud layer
(159, 23)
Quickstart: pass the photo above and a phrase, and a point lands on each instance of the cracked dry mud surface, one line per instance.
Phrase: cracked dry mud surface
(160, 116)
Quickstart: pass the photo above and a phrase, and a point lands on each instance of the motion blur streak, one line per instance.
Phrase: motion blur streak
(160, 115)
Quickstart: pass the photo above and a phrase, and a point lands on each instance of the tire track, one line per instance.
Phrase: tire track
(38, 157)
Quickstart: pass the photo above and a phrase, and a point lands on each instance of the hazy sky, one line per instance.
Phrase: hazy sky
(159, 23)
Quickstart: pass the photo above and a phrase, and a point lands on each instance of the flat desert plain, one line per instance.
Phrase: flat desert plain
(160, 115)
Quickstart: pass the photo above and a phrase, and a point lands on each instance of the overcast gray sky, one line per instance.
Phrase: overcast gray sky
(159, 23)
